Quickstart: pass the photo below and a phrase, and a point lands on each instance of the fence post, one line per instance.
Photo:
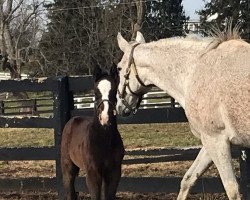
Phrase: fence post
(172, 102)
(245, 173)
(62, 108)
(34, 106)
(1, 107)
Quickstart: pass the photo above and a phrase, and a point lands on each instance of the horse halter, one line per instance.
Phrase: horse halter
(131, 65)
(109, 102)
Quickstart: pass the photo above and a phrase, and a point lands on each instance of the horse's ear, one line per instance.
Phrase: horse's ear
(114, 72)
(139, 37)
(122, 43)
(97, 72)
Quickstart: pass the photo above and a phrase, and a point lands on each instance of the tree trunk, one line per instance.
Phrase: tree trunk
(140, 9)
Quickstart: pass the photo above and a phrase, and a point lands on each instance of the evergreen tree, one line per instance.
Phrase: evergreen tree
(83, 33)
(236, 10)
(80, 35)
(164, 18)
(65, 44)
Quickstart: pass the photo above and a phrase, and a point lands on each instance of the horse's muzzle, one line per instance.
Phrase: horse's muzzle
(126, 112)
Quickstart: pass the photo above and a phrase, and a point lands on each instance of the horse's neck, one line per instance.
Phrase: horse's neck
(168, 64)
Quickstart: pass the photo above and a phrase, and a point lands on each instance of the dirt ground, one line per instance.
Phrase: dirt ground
(120, 196)
(17, 169)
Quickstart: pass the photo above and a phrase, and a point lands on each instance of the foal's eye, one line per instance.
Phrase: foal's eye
(119, 69)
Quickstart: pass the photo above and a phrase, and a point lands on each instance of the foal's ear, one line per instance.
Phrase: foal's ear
(139, 37)
(114, 72)
(97, 73)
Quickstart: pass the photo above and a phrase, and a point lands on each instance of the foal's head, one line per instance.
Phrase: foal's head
(105, 95)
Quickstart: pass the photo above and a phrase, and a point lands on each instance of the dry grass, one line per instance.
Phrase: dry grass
(157, 135)
(134, 136)
(26, 137)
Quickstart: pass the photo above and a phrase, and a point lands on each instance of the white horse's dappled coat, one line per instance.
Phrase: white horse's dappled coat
(211, 82)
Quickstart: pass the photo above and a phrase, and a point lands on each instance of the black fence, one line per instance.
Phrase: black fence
(63, 90)
(42, 104)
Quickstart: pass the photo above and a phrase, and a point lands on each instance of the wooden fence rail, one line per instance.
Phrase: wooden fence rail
(132, 184)
(44, 104)
(63, 90)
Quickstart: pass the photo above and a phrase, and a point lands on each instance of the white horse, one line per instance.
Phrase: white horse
(210, 78)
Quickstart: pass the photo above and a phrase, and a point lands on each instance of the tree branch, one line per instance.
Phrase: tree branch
(140, 7)
(11, 11)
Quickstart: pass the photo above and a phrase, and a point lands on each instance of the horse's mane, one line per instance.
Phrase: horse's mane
(219, 36)
(215, 37)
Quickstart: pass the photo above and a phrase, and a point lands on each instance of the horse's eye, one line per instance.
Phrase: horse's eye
(119, 69)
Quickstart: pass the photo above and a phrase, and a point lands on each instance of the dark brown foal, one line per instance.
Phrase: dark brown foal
(94, 144)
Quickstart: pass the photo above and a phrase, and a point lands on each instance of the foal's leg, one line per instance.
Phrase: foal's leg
(69, 171)
(199, 166)
(111, 181)
(112, 174)
(218, 148)
(94, 183)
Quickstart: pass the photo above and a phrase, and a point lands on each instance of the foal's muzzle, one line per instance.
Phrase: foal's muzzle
(106, 118)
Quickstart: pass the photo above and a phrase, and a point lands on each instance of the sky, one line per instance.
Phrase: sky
(190, 6)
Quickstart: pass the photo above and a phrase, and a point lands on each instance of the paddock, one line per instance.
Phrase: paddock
(64, 90)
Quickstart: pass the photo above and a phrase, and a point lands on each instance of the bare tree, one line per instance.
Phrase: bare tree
(140, 11)
(20, 22)
(19, 29)
(79, 38)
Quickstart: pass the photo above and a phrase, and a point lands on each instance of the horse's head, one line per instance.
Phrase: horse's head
(131, 88)
(105, 89)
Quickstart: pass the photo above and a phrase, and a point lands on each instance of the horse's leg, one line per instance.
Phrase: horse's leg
(199, 166)
(94, 183)
(69, 172)
(218, 148)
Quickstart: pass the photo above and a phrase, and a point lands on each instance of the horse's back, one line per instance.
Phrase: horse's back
(74, 139)
(219, 93)
(77, 125)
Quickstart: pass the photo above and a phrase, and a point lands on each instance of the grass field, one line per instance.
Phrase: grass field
(134, 136)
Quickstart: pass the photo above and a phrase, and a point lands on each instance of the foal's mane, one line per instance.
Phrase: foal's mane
(104, 75)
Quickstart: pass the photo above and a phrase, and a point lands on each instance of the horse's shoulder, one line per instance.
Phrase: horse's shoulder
(81, 119)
